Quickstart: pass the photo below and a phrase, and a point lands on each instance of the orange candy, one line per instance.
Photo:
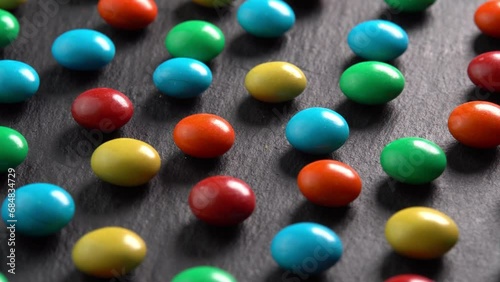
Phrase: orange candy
(329, 183)
(487, 18)
(476, 124)
(128, 14)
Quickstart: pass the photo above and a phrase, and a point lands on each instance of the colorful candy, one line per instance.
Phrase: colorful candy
(104, 109)
(10, 4)
(266, 18)
(408, 278)
(13, 148)
(198, 40)
(409, 5)
(307, 248)
(421, 233)
(317, 131)
(476, 124)
(109, 252)
(378, 40)
(128, 14)
(83, 50)
(39, 209)
(329, 183)
(204, 135)
(182, 78)
(204, 274)
(2, 277)
(413, 160)
(18, 81)
(213, 3)
(275, 82)
(487, 18)
(9, 28)
(222, 200)
(125, 162)
(484, 71)
(372, 83)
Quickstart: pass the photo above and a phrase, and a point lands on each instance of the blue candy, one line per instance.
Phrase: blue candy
(317, 131)
(18, 81)
(38, 209)
(378, 40)
(266, 18)
(182, 78)
(83, 50)
(307, 248)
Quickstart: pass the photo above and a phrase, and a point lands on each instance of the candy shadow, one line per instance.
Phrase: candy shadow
(305, 9)
(184, 169)
(482, 43)
(11, 112)
(254, 112)
(478, 94)
(77, 276)
(122, 38)
(468, 160)
(394, 264)
(58, 81)
(246, 45)
(82, 2)
(361, 117)
(159, 107)
(393, 195)
(407, 21)
(292, 161)
(35, 246)
(279, 274)
(331, 217)
(191, 11)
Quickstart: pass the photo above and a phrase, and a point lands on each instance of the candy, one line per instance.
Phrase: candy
(204, 135)
(222, 200)
(421, 233)
(372, 83)
(408, 278)
(13, 148)
(484, 71)
(198, 40)
(10, 4)
(317, 131)
(275, 82)
(9, 28)
(83, 50)
(3, 278)
(266, 18)
(413, 160)
(307, 248)
(18, 81)
(204, 274)
(40, 209)
(182, 78)
(128, 14)
(109, 252)
(487, 18)
(125, 162)
(213, 3)
(409, 5)
(329, 183)
(476, 124)
(378, 40)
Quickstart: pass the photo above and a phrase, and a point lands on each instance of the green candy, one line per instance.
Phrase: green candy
(413, 160)
(372, 83)
(198, 40)
(204, 274)
(409, 5)
(9, 28)
(13, 148)
(3, 278)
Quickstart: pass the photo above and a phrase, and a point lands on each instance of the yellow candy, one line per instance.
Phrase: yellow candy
(213, 3)
(108, 252)
(125, 162)
(11, 4)
(275, 82)
(421, 233)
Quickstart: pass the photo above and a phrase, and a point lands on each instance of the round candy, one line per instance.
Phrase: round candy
(109, 252)
(213, 3)
(222, 200)
(18, 81)
(372, 83)
(487, 18)
(421, 233)
(378, 40)
(204, 274)
(413, 160)
(125, 162)
(329, 183)
(13, 148)
(182, 78)
(484, 71)
(306, 247)
(40, 209)
(3, 278)
(408, 278)
(128, 14)
(83, 50)
(317, 131)
(476, 124)
(204, 135)
(10, 5)
(266, 18)
(198, 40)
(104, 109)
(275, 82)
(9, 28)
(409, 5)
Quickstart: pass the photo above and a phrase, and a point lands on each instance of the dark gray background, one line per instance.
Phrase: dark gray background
(442, 42)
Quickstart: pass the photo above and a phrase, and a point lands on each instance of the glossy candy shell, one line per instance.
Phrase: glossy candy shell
(408, 278)
(13, 148)
(9, 28)
(484, 71)
(487, 18)
(128, 14)
(18, 81)
(204, 274)
(410, 5)
(266, 18)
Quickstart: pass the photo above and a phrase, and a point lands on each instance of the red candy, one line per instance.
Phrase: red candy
(104, 109)
(222, 200)
(329, 183)
(476, 124)
(204, 135)
(484, 71)
(408, 278)
(128, 14)
(487, 18)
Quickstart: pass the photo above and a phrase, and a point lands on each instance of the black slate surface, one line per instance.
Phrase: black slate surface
(442, 42)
